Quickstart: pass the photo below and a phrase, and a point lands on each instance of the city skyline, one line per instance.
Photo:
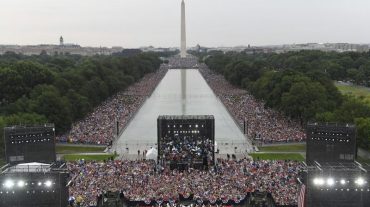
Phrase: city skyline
(217, 23)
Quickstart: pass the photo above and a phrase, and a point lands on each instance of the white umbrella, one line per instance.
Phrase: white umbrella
(152, 154)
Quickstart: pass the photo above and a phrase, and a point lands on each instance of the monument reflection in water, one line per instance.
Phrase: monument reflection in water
(181, 92)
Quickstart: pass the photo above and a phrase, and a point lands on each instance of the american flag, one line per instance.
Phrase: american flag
(301, 196)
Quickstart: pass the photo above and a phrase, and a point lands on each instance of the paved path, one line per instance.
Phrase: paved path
(281, 152)
(283, 144)
(79, 145)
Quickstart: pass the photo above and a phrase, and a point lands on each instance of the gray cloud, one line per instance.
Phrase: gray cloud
(134, 23)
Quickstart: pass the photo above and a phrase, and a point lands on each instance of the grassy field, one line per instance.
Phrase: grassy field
(2, 162)
(65, 149)
(74, 157)
(363, 160)
(354, 90)
(284, 148)
(277, 156)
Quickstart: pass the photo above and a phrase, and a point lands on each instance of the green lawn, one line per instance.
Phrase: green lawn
(72, 149)
(363, 160)
(2, 162)
(74, 157)
(355, 90)
(284, 148)
(277, 156)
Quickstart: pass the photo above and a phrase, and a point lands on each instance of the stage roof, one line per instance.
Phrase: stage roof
(28, 167)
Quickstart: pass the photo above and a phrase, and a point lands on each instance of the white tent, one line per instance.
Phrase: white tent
(152, 154)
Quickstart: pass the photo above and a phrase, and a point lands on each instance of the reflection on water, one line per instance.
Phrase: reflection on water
(181, 92)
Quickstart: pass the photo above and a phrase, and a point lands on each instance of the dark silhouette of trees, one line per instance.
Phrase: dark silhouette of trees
(63, 88)
(301, 84)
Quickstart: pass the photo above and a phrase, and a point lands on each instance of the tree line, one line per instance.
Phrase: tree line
(301, 84)
(62, 89)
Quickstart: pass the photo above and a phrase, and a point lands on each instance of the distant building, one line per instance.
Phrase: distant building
(254, 50)
(62, 48)
(197, 48)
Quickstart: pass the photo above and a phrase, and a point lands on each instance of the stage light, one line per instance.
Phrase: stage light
(39, 183)
(48, 183)
(330, 181)
(318, 181)
(360, 181)
(9, 184)
(20, 184)
(342, 181)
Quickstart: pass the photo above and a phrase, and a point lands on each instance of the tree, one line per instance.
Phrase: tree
(25, 119)
(326, 116)
(346, 61)
(264, 85)
(46, 100)
(218, 61)
(363, 132)
(334, 70)
(350, 109)
(352, 73)
(300, 84)
(304, 100)
(64, 88)
(365, 70)
(95, 90)
(62, 85)
(359, 61)
(80, 105)
(33, 74)
(11, 86)
(241, 71)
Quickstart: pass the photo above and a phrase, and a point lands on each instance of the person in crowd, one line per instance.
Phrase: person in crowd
(186, 149)
(99, 127)
(229, 179)
(262, 123)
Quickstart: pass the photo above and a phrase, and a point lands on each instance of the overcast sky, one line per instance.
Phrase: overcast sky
(135, 23)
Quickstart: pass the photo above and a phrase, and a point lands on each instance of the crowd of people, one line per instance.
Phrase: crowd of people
(177, 62)
(264, 124)
(143, 180)
(100, 125)
(186, 149)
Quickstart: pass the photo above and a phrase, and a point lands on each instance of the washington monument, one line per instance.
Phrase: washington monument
(183, 31)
